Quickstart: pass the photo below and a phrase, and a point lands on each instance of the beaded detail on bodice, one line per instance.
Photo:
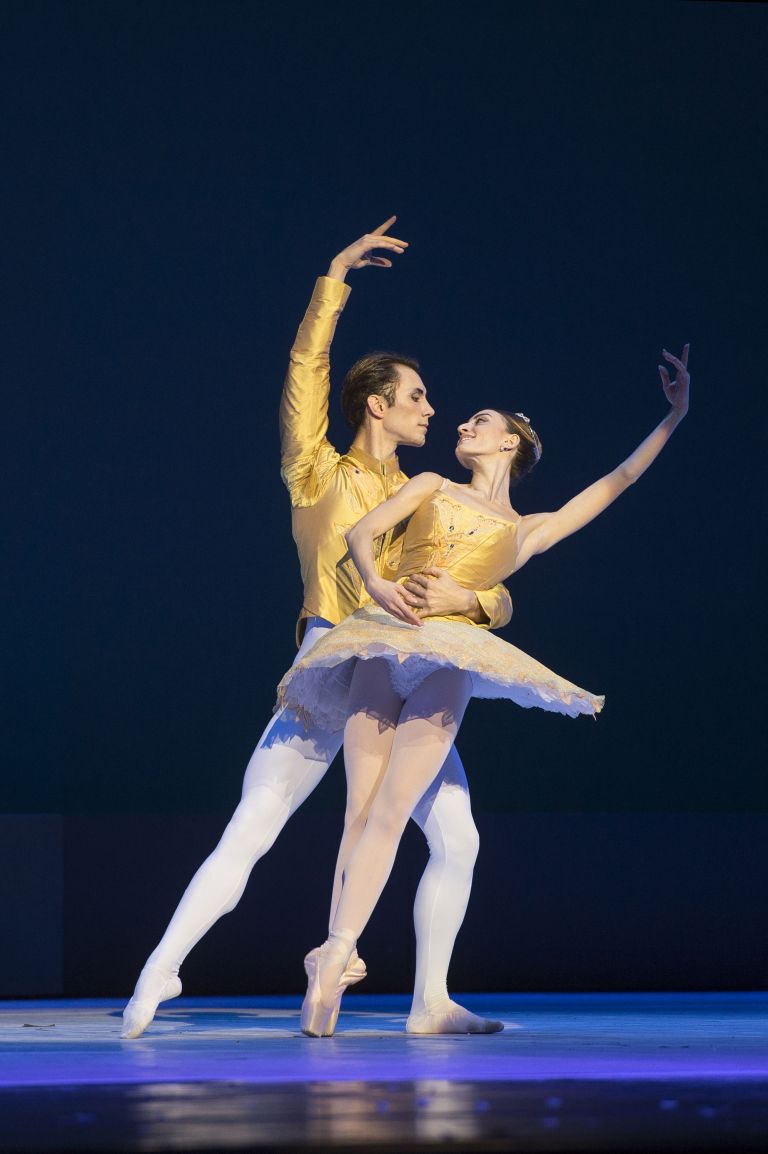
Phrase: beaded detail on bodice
(477, 549)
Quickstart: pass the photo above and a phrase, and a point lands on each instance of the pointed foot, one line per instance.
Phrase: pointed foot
(330, 968)
(153, 987)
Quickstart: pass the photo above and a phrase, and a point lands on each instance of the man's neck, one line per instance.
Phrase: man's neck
(375, 442)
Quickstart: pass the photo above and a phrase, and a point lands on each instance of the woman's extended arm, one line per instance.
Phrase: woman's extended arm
(549, 528)
(384, 517)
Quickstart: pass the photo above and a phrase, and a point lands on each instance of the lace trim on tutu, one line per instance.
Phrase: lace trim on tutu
(317, 686)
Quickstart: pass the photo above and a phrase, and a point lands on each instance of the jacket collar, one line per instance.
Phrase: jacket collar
(388, 467)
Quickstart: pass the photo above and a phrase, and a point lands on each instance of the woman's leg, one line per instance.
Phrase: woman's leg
(444, 815)
(374, 708)
(426, 729)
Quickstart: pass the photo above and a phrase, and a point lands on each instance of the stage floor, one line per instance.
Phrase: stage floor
(569, 1072)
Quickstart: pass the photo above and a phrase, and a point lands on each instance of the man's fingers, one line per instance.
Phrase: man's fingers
(664, 376)
(381, 261)
(383, 227)
(419, 580)
(433, 571)
(374, 241)
(684, 357)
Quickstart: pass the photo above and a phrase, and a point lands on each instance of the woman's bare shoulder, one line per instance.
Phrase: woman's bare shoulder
(427, 481)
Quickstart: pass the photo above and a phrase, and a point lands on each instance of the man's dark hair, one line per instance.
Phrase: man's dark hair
(376, 374)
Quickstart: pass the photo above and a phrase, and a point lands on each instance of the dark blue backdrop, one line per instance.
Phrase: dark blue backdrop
(580, 183)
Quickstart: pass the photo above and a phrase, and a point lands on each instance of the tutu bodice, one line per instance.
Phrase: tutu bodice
(477, 549)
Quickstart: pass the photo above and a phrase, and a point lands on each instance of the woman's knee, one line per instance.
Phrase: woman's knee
(360, 795)
(354, 822)
(387, 821)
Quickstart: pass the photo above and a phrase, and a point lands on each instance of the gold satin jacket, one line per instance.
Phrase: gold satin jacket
(329, 491)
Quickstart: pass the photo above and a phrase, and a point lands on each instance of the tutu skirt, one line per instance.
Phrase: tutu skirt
(317, 685)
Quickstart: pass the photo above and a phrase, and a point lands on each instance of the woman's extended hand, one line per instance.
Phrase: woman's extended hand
(362, 253)
(677, 392)
(393, 597)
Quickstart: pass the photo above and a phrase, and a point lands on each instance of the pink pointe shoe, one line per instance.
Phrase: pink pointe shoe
(319, 1018)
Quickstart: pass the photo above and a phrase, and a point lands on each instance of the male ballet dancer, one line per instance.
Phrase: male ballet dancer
(385, 401)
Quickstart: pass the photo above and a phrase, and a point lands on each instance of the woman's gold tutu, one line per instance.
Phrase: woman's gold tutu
(317, 686)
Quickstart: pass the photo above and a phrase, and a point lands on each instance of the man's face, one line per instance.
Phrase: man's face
(408, 418)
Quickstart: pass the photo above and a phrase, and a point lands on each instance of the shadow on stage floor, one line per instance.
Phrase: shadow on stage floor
(569, 1073)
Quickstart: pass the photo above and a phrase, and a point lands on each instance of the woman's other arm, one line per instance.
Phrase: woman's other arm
(546, 529)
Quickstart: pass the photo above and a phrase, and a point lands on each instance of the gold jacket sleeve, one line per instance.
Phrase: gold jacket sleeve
(496, 603)
(304, 401)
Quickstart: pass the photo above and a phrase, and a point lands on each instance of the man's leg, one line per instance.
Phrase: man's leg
(444, 814)
(286, 765)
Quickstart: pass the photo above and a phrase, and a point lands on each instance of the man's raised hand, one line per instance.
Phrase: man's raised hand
(363, 252)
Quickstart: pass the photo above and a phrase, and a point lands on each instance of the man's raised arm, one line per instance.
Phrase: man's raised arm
(304, 401)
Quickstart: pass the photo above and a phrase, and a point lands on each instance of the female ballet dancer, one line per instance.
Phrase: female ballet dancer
(400, 691)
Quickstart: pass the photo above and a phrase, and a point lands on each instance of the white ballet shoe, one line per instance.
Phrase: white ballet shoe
(155, 985)
(319, 1017)
(450, 1018)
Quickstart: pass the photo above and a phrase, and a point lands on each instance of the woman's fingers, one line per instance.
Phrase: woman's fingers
(407, 614)
(399, 607)
(676, 391)
(674, 360)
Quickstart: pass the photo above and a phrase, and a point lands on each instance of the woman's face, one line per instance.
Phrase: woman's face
(484, 435)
